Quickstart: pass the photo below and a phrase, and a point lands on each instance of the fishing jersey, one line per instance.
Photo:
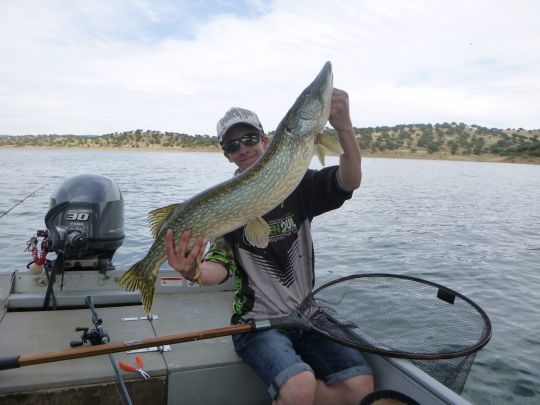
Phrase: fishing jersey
(273, 281)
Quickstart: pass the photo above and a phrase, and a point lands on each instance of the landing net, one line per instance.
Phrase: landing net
(401, 316)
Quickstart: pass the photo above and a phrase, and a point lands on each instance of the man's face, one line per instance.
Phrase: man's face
(245, 156)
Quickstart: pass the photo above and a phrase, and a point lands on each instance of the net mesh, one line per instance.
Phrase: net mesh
(404, 317)
(451, 372)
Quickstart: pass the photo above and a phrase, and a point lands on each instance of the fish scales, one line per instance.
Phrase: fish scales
(243, 199)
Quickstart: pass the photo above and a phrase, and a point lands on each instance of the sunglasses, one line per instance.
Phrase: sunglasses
(249, 139)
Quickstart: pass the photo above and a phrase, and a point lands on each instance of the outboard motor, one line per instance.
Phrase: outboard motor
(85, 222)
(85, 227)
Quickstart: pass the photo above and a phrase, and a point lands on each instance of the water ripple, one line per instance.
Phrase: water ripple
(473, 227)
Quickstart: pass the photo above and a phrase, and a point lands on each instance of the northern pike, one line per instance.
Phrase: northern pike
(245, 198)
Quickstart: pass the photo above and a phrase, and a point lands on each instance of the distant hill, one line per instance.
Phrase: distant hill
(446, 141)
(143, 139)
(451, 140)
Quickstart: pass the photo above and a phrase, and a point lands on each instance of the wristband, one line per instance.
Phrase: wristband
(197, 277)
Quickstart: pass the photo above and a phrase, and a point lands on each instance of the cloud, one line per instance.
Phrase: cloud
(98, 67)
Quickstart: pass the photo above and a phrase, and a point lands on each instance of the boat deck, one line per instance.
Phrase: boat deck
(200, 372)
(202, 364)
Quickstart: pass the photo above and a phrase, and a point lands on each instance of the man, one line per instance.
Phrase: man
(297, 367)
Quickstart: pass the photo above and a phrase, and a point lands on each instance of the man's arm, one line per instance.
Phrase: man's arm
(183, 262)
(350, 162)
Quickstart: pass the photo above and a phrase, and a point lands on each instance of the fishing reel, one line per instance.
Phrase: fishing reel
(96, 336)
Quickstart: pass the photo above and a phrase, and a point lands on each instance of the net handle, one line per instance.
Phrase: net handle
(296, 321)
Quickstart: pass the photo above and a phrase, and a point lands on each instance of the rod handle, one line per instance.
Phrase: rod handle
(9, 362)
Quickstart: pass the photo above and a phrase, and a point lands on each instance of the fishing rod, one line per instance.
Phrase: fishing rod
(359, 311)
(99, 336)
(20, 202)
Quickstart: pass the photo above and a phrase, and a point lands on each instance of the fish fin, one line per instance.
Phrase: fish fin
(256, 232)
(330, 142)
(159, 216)
(133, 279)
(320, 153)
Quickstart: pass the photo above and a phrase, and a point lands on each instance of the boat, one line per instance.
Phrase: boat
(46, 311)
(199, 372)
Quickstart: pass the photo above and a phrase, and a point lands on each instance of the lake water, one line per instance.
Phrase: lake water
(473, 227)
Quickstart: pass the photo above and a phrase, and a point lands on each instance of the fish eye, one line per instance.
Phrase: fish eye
(307, 93)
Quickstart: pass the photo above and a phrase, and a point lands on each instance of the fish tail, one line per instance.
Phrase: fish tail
(134, 279)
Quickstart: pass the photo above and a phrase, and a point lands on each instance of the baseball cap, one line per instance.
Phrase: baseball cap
(235, 116)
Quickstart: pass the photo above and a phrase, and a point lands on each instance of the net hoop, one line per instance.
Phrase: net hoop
(446, 293)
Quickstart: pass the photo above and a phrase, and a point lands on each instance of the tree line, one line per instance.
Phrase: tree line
(456, 139)
(450, 138)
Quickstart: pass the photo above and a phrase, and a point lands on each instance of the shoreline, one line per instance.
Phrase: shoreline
(420, 155)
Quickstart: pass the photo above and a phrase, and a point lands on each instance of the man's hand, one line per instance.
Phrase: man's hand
(340, 117)
(350, 161)
(181, 260)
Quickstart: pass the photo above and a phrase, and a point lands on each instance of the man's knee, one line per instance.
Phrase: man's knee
(299, 389)
(356, 388)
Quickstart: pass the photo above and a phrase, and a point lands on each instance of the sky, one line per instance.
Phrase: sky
(96, 67)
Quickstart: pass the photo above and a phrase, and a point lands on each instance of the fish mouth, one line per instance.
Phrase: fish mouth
(320, 91)
(311, 110)
(322, 85)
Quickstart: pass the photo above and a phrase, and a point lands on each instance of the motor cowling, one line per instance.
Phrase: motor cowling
(86, 221)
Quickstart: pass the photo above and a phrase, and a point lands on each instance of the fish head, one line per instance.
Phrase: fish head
(309, 114)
